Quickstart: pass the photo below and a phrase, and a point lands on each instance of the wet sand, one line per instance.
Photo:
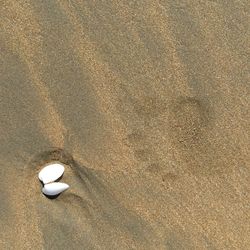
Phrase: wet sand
(147, 104)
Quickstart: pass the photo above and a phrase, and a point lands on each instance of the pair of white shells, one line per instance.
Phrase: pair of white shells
(48, 175)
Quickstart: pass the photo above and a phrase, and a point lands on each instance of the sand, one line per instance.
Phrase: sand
(147, 105)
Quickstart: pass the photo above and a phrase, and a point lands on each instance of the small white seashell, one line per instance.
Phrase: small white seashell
(51, 172)
(54, 188)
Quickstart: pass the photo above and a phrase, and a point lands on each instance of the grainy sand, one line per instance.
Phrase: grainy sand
(147, 103)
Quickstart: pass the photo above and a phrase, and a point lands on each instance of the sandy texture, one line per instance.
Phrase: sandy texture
(147, 104)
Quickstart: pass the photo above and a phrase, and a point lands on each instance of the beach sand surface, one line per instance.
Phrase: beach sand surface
(147, 105)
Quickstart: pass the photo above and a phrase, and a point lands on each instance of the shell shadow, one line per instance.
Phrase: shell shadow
(51, 197)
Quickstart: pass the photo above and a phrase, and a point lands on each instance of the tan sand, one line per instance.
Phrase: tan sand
(147, 104)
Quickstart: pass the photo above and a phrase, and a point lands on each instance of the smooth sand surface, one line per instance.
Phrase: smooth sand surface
(147, 104)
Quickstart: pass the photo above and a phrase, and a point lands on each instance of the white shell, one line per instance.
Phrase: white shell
(51, 172)
(54, 188)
